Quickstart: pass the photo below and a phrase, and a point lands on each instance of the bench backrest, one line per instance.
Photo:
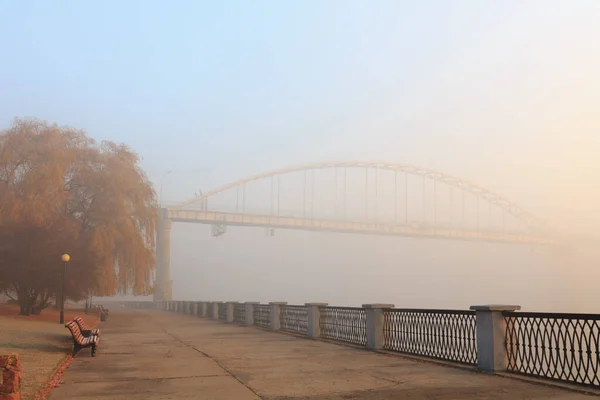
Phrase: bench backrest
(75, 331)
(81, 323)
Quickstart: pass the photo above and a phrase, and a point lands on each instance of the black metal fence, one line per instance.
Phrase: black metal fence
(555, 346)
(294, 319)
(262, 315)
(443, 334)
(222, 311)
(239, 313)
(345, 324)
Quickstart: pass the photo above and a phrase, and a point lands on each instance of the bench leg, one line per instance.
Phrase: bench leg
(93, 349)
(76, 349)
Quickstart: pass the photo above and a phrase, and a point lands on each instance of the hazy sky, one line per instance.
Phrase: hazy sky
(504, 93)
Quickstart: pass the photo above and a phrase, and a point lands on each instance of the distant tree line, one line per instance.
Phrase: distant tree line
(62, 192)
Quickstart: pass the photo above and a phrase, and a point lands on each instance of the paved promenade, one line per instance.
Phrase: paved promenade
(159, 355)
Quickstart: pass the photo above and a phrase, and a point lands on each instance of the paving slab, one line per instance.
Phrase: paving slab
(158, 355)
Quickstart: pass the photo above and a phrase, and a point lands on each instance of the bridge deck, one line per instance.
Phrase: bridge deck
(157, 355)
(367, 228)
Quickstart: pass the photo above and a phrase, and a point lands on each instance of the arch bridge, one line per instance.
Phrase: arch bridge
(360, 197)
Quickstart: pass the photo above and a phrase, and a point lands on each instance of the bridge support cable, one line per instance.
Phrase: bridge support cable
(424, 203)
(272, 196)
(304, 196)
(366, 194)
(406, 196)
(376, 195)
(335, 204)
(243, 198)
(312, 194)
(345, 191)
(463, 208)
(434, 203)
(477, 208)
(451, 205)
(396, 196)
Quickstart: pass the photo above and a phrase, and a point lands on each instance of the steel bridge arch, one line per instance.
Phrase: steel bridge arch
(463, 184)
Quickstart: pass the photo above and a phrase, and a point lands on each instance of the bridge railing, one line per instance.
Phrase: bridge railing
(559, 347)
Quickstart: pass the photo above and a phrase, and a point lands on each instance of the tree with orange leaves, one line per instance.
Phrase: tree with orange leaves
(61, 192)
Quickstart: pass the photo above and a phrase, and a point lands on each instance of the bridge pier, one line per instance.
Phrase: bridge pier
(164, 285)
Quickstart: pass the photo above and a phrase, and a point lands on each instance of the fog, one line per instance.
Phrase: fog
(504, 94)
(514, 111)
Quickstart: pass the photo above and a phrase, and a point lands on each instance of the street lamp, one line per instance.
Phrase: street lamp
(65, 259)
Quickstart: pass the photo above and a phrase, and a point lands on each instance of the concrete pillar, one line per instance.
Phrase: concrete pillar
(491, 336)
(314, 318)
(163, 283)
(203, 309)
(375, 339)
(250, 312)
(196, 308)
(215, 309)
(276, 314)
(230, 309)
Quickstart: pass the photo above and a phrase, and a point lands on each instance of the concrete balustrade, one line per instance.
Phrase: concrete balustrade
(490, 323)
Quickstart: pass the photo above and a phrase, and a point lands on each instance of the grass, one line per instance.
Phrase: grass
(42, 343)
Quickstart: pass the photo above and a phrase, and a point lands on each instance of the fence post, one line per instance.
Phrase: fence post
(314, 318)
(250, 312)
(195, 308)
(491, 336)
(204, 309)
(275, 314)
(229, 309)
(375, 321)
(215, 309)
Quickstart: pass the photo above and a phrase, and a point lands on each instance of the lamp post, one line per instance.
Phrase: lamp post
(65, 259)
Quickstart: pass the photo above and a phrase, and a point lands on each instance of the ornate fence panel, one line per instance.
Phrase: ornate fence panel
(443, 334)
(562, 347)
(345, 324)
(262, 315)
(294, 319)
(222, 311)
(239, 313)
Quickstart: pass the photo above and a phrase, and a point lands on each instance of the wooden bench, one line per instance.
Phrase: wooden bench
(80, 341)
(85, 330)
